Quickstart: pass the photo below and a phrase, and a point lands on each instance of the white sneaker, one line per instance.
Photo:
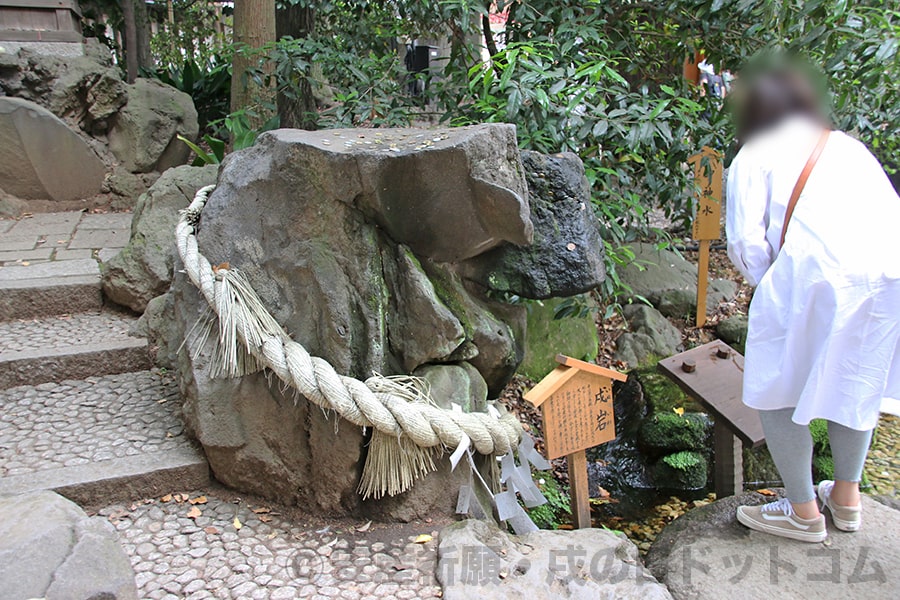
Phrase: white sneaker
(778, 518)
(846, 518)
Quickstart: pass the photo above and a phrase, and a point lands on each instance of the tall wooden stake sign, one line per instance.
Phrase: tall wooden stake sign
(576, 403)
(707, 224)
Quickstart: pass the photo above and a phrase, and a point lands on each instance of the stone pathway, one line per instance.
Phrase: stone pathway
(62, 331)
(210, 544)
(62, 236)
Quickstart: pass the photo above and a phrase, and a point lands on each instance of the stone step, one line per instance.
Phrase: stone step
(49, 288)
(110, 438)
(54, 348)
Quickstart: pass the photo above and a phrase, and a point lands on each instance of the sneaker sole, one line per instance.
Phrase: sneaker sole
(843, 525)
(802, 536)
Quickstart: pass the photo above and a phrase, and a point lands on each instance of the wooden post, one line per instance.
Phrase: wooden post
(729, 472)
(578, 487)
(702, 281)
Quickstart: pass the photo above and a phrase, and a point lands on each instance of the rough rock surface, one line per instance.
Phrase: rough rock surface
(566, 257)
(41, 158)
(143, 269)
(143, 133)
(733, 331)
(547, 336)
(477, 560)
(707, 554)
(79, 89)
(49, 548)
(346, 235)
(651, 335)
(669, 282)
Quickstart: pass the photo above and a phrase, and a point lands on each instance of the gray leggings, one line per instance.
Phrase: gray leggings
(791, 447)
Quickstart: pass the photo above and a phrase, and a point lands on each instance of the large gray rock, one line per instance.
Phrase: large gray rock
(707, 554)
(80, 89)
(669, 282)
(566, 257)
(351, 258)
(143, 269)
(477, 560)
(651, 335)
(733, 331)
(143, 133)
(41, 158)
(49, 548)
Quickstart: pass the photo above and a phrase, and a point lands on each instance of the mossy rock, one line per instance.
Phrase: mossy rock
(759, 468)
(733, 331)
(664, 433)
(546, 337)
(661, 394)
(685, 470)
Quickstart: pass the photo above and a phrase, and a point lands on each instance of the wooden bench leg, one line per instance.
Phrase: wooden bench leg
(729, 457)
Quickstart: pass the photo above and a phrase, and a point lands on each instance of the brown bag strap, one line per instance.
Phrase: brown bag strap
(801, 181)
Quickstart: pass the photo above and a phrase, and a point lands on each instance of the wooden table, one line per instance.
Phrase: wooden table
(713, 375)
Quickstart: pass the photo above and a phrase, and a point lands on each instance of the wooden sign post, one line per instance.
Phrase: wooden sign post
(576, 402)
(707, 224)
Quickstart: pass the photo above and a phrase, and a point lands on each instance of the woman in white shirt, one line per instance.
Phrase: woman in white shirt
(824, 323)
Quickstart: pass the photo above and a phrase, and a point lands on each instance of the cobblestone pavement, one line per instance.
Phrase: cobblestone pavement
(77, 422)
(201, 545)
(62, 236)
(58, 332)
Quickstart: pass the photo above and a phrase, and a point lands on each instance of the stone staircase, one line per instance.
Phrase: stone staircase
(82, 410)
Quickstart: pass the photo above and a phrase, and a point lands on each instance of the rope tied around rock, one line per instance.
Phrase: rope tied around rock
(408, 428)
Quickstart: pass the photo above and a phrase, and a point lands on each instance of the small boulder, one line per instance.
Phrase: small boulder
(706, 554)
(542, 565)
(143, 134)
(49, 548)
(663, 433)
(669, 282)
(684, 470)
(459, 384)
(143, 269)
(41, 158)
(651, 335)
(566, 257)
(733, 331)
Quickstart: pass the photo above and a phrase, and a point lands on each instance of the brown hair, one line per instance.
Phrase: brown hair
(764, 98)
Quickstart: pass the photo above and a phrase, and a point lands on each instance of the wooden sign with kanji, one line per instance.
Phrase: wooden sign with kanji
(708, 175)
(576, 403)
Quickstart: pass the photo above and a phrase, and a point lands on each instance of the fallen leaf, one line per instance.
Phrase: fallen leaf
(766, 492)
(423, 538)
(678, 410)
(180, 498)
(602, 492)
(211, 530)
(25, 263)
(262, 510)
(166, 498)
(265, 518)
(365, 527)
(198, 500)
(237, 523)
(194, 512)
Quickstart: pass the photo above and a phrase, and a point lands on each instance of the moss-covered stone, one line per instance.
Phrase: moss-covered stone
(733, 331)
(759, 468)
(685, 470)
(664, 433)
(660, 393)
(546, 337)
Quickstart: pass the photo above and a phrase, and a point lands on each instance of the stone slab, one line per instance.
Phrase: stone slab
(26, 255)
(6, 225)
(120, 479)
(100, 238)
(14, 242)
(706, 554)
(33, 367)
(78, 254)
(105, 221)
(54, 270)
(30, 298)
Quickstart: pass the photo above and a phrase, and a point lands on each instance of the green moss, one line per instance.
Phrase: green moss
(546, 337)
(685, 470)
(660, 393)
(823, 467)
(556, 511)
(668, 432)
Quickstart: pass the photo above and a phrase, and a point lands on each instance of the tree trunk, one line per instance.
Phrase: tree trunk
(142, 29)
(254, 26)
(297, 110)
(131, 42)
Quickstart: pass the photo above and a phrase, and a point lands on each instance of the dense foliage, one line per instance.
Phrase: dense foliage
(602, 79)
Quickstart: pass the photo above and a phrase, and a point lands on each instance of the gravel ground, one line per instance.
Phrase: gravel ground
(59, 332)
(214, 545)
(77, 422)
(883, 463)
